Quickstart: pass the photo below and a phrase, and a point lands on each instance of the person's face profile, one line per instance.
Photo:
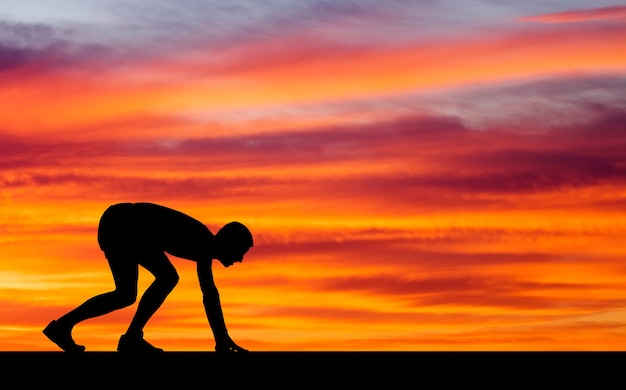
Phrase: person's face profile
(232, 255)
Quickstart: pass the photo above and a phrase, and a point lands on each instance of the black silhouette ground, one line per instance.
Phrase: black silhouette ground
(311, 370)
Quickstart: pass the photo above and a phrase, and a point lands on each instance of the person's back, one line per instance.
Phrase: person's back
(147, 227)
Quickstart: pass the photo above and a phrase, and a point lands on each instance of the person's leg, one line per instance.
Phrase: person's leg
(124, 269)
(165, 279)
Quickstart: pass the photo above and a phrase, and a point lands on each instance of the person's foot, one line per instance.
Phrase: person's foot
(62, 336)
(136, 344)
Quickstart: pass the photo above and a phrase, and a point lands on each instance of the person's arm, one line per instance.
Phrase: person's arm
(213, 309)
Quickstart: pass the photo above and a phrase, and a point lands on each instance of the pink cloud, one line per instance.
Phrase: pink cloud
(605, 13)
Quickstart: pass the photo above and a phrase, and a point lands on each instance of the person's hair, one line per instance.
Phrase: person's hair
(235, 234)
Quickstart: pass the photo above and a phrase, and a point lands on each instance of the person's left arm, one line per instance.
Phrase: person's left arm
(213, 309)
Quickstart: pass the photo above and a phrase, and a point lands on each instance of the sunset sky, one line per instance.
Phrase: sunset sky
(418, 175)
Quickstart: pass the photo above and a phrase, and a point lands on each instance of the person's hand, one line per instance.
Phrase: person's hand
(227, 345)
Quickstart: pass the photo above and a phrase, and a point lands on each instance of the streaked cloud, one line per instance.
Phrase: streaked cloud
(581, 15)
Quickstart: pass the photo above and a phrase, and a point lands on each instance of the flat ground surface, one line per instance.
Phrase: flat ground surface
(202, 370)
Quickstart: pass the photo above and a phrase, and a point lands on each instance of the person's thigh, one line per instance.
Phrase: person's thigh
(159, 265)
(125, 269)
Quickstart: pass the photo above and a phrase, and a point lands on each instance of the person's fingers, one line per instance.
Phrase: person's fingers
(232, 347)
(238, 348)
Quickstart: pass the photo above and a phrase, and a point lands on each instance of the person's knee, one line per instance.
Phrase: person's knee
(126, 297)
(167, 281)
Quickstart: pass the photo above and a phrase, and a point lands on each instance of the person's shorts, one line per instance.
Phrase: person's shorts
(120, 231)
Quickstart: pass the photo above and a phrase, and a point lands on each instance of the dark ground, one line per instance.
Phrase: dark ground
(296, 370)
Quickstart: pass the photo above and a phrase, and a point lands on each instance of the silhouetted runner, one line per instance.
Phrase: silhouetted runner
(134, 234)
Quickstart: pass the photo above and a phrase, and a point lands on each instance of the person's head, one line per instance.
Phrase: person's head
(233, 241)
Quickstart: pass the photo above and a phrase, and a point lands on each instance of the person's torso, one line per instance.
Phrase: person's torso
(152, 226)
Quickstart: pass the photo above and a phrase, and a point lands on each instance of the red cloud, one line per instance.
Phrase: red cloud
(436, 162)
